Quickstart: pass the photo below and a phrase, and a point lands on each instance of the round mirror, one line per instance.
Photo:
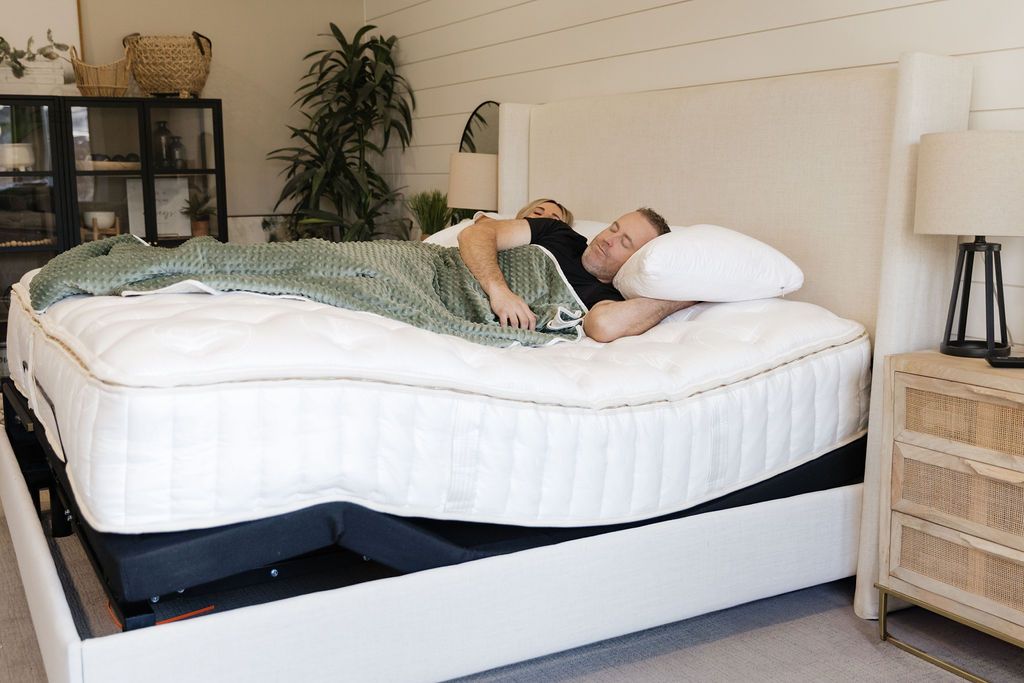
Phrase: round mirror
(480, 135)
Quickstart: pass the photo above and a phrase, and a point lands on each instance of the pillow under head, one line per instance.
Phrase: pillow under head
(707, 263)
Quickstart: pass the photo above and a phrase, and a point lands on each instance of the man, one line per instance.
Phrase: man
(588, 268)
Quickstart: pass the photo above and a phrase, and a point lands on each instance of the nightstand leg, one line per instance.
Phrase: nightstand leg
(883, 633)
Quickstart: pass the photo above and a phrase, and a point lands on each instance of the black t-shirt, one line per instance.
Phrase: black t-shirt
(567, 246)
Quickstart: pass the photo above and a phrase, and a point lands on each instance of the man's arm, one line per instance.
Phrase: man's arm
(479, 245)
(609, 320)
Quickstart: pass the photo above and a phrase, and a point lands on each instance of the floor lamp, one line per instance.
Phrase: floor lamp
(971, 182)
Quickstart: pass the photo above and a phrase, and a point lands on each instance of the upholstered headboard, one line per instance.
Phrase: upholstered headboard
(822, 166)
(800, 162)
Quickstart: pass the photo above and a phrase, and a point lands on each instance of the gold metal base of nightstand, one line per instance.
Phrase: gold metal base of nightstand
(883, 633)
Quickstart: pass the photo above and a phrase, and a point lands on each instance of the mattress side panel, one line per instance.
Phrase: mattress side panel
(163, 459)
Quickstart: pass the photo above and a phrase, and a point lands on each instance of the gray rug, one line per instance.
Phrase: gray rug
(807, 635)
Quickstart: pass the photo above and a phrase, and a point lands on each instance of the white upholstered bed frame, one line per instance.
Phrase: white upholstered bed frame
(819, 165)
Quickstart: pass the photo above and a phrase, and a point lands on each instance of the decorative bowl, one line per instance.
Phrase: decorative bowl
(104, 219)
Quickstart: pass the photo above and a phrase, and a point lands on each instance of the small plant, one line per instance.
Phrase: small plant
(15, 58)
(198, 206)
(431, 210)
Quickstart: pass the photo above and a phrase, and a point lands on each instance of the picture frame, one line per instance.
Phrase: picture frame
(25, 20)
(170, 195)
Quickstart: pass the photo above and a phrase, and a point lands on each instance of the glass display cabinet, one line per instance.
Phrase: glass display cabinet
(76, 169)
(31, 181)
(149, 167)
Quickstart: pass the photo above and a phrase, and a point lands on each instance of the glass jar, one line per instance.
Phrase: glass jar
(176, 153)
(161, 144)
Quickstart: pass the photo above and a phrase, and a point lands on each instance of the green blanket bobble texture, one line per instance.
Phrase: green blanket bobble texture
(424, 285)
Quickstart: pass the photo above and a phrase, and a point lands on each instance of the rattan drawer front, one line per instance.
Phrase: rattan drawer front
(981, 499)
(976, 422)
(966, 569)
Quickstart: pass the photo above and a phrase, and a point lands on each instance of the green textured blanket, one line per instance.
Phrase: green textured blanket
(421, 284)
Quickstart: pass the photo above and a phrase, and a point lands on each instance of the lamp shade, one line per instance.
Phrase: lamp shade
(970, 183)
(473, 181)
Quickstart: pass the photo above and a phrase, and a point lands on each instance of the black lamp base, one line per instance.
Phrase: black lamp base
(974, 348)
(959, 346)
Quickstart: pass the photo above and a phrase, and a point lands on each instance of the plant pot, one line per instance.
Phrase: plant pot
(42, 72)
(17, 156)
(200, 227)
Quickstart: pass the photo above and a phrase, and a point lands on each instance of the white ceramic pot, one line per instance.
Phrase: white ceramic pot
(104, 219)
(17, 156)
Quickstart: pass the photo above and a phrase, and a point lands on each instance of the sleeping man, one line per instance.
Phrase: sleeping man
(588, 268)
(465, 292)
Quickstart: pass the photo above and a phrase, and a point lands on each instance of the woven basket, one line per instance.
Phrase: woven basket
(170, 65)
(105, 80)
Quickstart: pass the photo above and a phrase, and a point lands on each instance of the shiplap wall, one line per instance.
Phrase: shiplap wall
(458, 53)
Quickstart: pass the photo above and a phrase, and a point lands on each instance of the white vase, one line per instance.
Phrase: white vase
(17, 156)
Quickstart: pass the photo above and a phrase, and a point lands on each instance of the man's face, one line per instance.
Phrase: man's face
(615, 244)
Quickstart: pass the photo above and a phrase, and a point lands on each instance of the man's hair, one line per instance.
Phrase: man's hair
(655, 219)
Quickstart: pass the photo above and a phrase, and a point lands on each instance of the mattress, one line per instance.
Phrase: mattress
(182, 411)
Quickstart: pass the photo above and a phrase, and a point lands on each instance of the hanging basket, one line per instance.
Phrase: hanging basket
(105, 80)
(170, 65)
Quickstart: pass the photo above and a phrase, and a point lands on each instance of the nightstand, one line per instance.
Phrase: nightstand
(951, 528)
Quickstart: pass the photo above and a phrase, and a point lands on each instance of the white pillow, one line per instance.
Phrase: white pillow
(590, 229)
(449, 237)
(707, 263)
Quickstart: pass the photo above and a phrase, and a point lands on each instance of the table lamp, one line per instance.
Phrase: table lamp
(971, 182)
(473, 181)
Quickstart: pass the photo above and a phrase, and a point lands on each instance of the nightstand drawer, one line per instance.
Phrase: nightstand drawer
(977, 422)
(958, 566)
(971, 496)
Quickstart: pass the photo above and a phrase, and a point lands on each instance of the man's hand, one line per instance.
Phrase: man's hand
(512, 311)
(479, 245)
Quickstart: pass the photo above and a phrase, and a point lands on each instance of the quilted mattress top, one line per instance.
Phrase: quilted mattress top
(190, 339)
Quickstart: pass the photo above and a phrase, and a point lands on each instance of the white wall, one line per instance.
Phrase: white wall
(257, 63)
(457, 54)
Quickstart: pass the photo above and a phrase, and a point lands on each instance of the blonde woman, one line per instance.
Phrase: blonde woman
(546, 208)
(539, 208)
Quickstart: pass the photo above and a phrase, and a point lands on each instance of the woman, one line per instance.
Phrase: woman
(539, 208)
(546, 208)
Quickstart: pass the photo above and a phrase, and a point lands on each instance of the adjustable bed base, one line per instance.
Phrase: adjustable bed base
(140, 571)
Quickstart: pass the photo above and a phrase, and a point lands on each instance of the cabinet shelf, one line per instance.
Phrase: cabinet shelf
(52, 248)
(26, 174)
(184, 171)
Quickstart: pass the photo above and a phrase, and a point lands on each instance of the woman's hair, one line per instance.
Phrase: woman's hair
(566, 213)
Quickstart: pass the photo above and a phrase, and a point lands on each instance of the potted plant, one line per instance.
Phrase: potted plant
(431, 211)
(18, 62)
(198, 208)
(355, 104)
